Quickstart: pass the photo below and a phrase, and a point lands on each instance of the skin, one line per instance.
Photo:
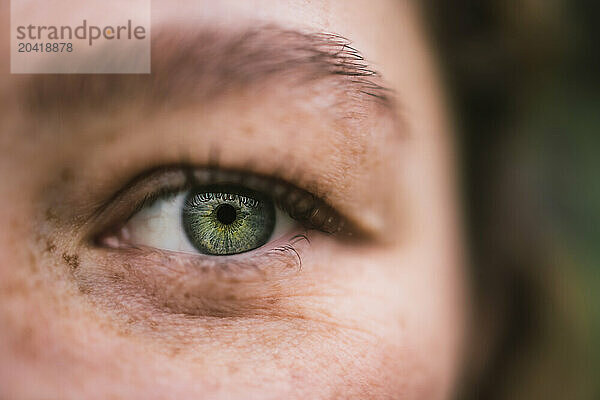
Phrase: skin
(378, 318)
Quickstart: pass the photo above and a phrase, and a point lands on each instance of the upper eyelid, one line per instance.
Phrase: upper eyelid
(159, 182)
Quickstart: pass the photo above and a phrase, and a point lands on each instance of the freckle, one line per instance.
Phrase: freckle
(230, 297)
(50, 246)
(124, 332)
(84, 289)
(249, 130)
(32, 261)
(72, 260)
(272, 301)
(232, 369)
(186, 295)
(51, 216)
(117, 277)
(66, 175)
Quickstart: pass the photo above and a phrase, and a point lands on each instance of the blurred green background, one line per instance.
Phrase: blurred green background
(523, 78)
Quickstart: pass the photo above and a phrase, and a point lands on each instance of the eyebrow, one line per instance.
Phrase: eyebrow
(190, 65)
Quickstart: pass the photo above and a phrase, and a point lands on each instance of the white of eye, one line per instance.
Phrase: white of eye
(160, 225)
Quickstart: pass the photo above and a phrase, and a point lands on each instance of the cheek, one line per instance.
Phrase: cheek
(432, 303)
(399, 324)
(373, 324)
(406, 309)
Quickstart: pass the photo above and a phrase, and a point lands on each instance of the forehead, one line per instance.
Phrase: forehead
(378, 29)
(386, 32)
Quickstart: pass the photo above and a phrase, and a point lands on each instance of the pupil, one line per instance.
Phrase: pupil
(226, 214)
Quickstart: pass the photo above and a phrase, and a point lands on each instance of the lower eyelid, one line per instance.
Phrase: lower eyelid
(198, 285)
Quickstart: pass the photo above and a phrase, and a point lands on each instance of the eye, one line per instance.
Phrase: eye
(216, 213)
(212, 219)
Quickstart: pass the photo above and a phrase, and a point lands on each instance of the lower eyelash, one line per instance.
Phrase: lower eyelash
(278, 261)
(290, 247)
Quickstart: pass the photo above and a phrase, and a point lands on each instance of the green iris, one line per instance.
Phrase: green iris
(227, 219)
